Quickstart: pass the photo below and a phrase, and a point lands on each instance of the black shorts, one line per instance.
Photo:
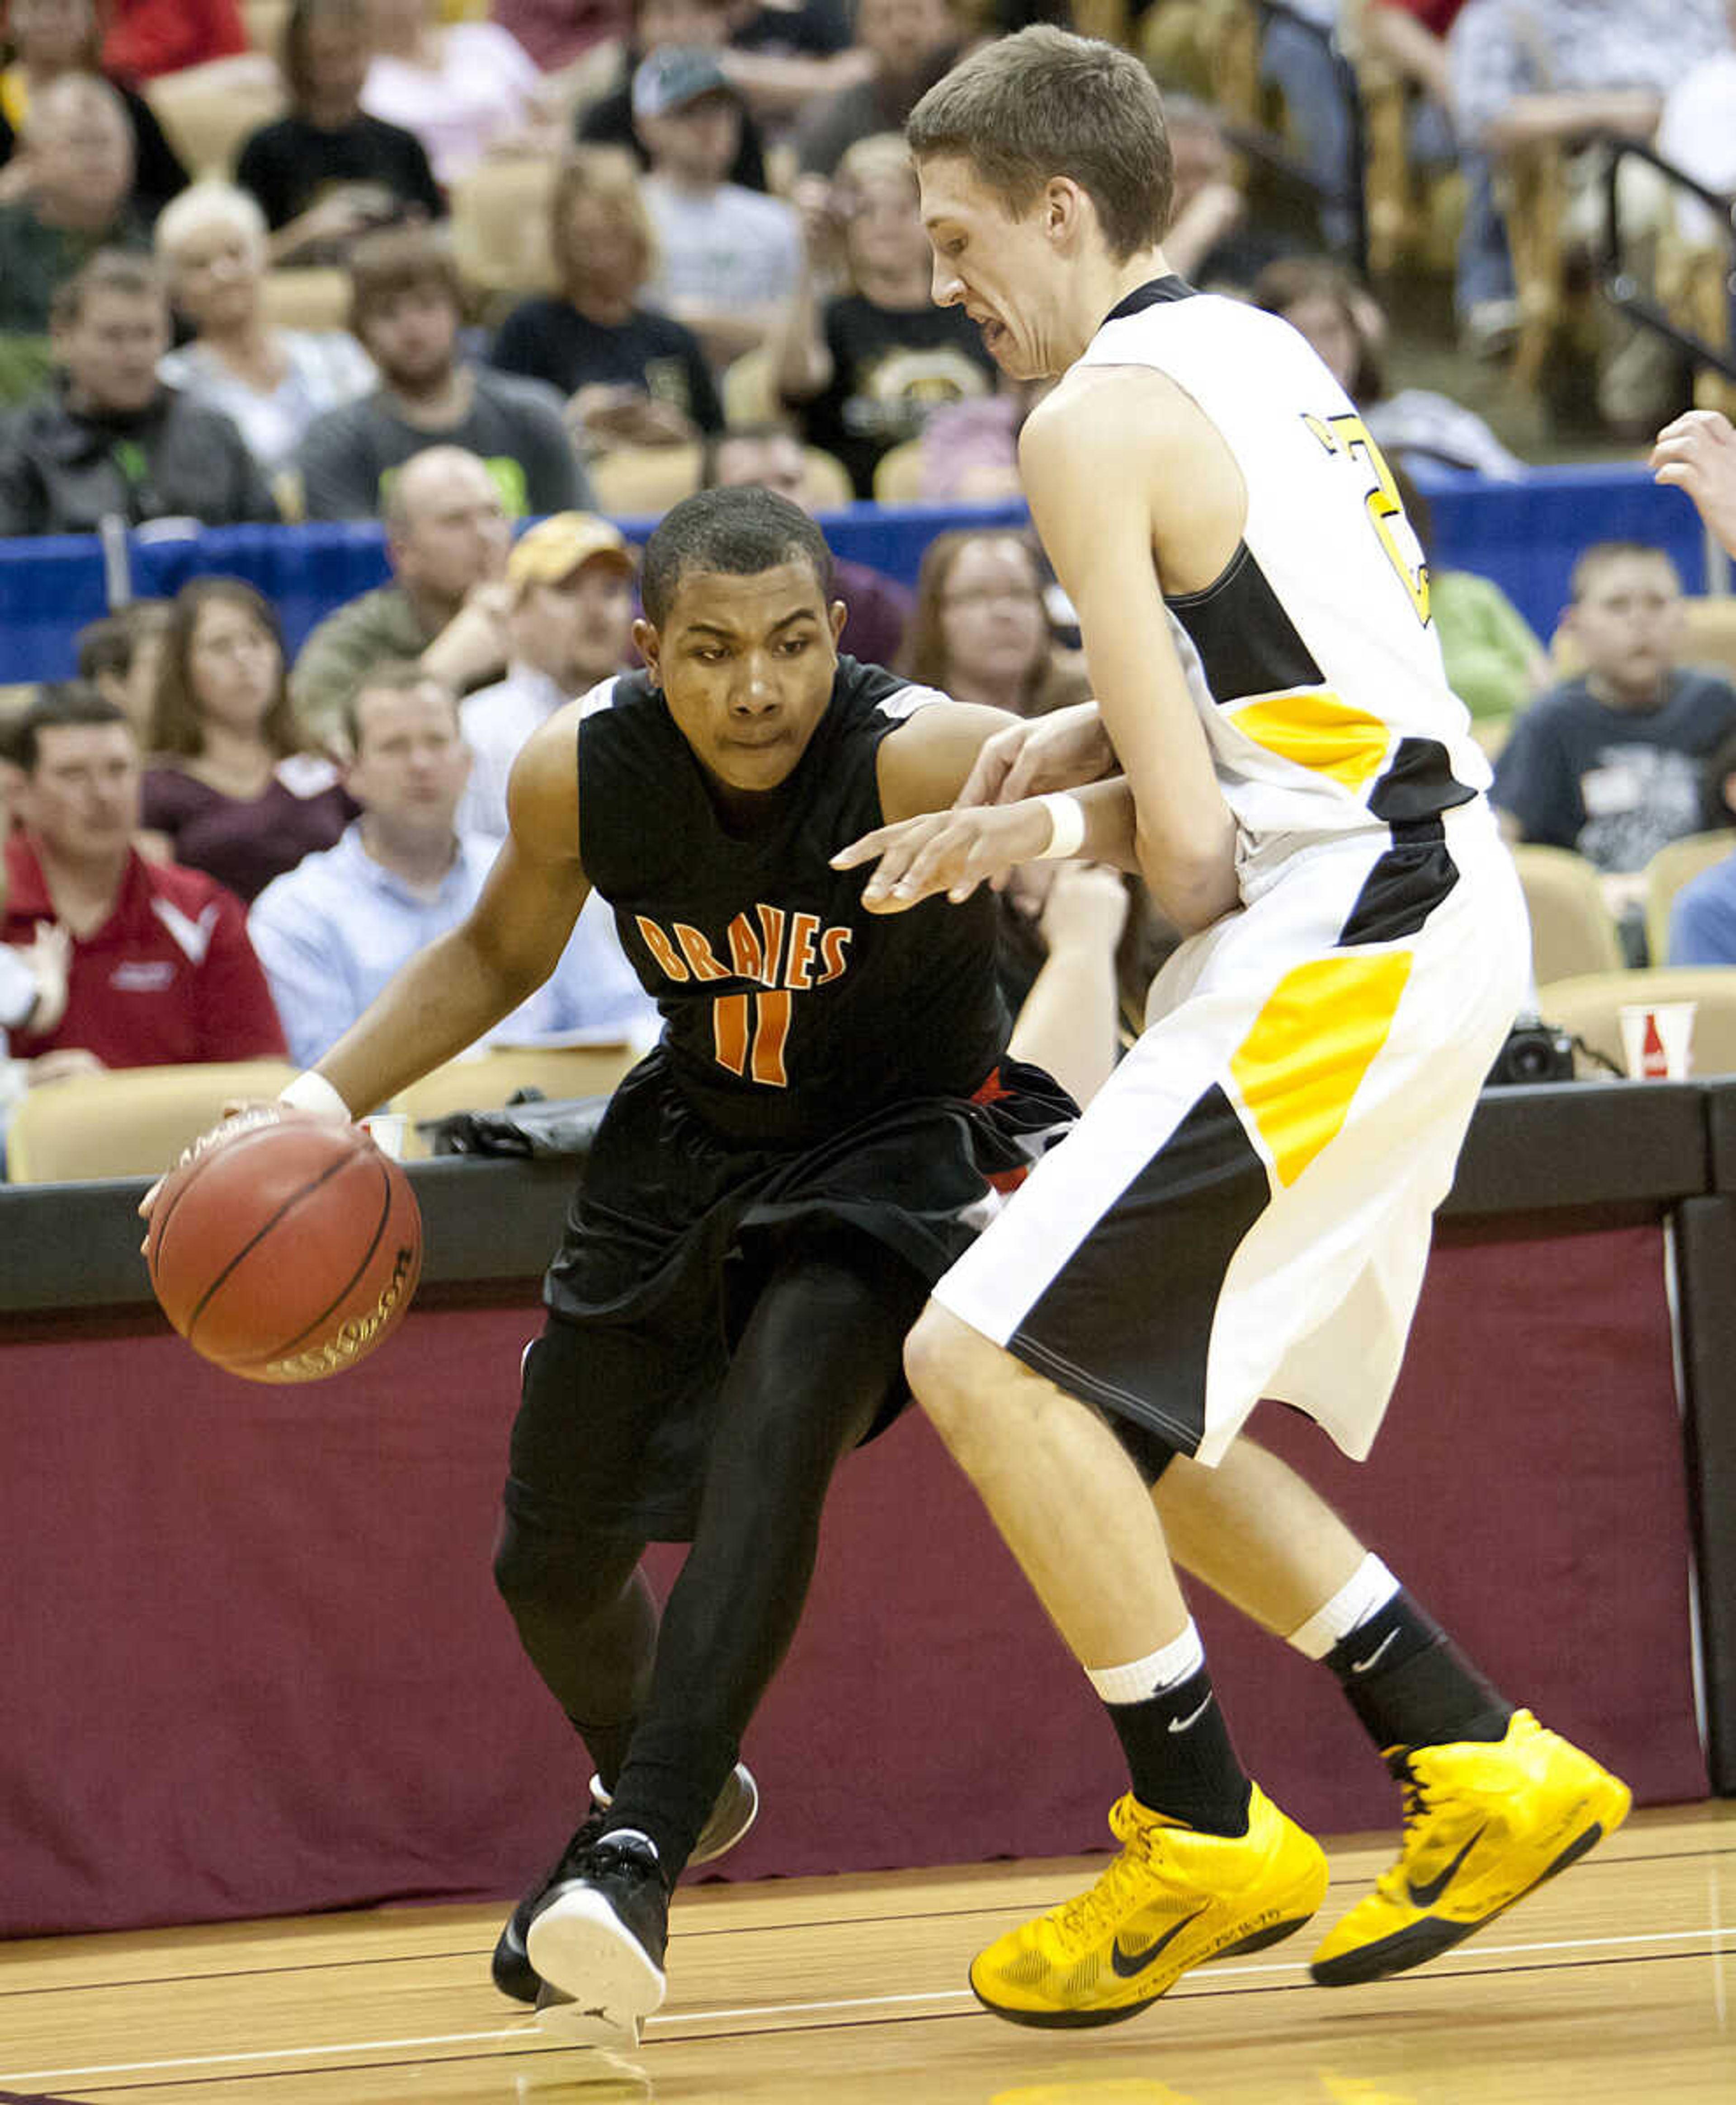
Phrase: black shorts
(671, 1239)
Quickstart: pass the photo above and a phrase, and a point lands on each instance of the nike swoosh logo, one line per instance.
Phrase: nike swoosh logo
(1425, 1895)
(1362, 1665)
(1192, 1717)
(1129, 1968)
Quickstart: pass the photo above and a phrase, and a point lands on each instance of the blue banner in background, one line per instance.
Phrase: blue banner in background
(1525, 535)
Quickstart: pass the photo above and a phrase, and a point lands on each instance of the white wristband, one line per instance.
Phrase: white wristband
(311, 1091)
(1066, 826)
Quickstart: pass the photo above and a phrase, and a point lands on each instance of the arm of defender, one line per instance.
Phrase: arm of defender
(926, 848)
(1102, 462)
(461, 985)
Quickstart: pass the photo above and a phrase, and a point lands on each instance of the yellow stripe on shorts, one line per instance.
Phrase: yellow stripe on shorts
(1310, 1046)
(1320, 731)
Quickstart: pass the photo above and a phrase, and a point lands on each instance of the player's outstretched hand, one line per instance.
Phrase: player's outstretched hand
(1064, 750)
(1697, 453)
(950, 851)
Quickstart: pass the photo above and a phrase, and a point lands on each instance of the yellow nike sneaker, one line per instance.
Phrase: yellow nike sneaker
(1173, 1899)
(1484, 1821)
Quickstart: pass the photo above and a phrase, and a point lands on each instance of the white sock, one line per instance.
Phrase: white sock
(1370, 1586)
(1177, 1662)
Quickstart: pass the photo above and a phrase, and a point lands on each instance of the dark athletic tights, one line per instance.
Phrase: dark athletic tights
(813, 1366)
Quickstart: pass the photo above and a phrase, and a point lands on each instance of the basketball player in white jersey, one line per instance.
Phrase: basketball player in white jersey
(1244, 1210)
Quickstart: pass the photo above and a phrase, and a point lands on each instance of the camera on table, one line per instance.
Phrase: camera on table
(1535, 1052)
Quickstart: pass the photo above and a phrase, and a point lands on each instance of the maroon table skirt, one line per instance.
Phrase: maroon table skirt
(255, 1663)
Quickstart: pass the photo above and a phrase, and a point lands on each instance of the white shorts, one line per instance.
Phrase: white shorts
(1244, 1209)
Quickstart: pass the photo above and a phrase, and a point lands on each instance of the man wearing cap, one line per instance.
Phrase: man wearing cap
(730, 256)
(570, 622)
(332, 930)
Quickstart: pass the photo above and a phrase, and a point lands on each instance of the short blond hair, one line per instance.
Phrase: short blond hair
(607, 176)
(203, 203)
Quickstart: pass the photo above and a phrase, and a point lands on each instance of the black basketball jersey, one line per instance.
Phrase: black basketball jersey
(789, 1012)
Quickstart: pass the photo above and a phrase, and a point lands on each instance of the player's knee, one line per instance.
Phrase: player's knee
(948, 1367)
(535, 1574)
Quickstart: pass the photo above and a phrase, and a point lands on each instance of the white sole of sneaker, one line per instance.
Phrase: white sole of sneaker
(582, 1949)
(560, 2019)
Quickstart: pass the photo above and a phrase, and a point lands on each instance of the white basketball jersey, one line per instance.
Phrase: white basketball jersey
(1314, 665)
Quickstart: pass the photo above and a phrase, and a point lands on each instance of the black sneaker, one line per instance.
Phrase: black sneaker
(597, 1941)
(738, 1803)
(513, 1974)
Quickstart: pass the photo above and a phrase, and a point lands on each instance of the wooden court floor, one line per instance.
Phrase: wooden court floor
(1617, 1982)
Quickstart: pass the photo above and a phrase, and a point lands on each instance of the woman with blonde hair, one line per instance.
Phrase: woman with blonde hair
(271, 382)
(632, 377)
(230, 782)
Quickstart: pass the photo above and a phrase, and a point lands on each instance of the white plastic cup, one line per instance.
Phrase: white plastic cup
(1658, 1040)
(387, 1129)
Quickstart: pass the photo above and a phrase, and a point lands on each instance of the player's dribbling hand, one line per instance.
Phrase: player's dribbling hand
(1062, 751)
(950, 851)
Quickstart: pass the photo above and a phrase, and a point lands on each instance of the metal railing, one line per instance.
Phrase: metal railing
(1624, 289)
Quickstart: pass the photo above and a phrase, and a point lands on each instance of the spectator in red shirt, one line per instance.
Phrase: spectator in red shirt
(150, 37)
(161, 971)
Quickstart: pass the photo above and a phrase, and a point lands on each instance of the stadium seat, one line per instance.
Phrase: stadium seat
(1573, 931)
(829, 487)
(1709, 632)
(264, 21)
(130, 1122)
(637, 481)
(898, 474)
(306, 299)
(1590, 1007)
(1668, 871)
(1693, 284)
(1532, 183)
(748, 394)
(500, 233)
(485, 1081)
(1414, 216)
(209, 111)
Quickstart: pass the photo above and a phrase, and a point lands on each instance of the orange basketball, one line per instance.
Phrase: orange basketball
(287, 1250)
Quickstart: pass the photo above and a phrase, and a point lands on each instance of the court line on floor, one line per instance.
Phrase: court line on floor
(690, 1929)
(666, 2027)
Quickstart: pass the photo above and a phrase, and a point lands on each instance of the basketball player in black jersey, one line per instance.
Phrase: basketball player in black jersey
(820, 1133)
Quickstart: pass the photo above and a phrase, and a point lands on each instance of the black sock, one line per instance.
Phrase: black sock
(668, 1786)
(1180, 1757)
(1410, 1684)
(607, 1747)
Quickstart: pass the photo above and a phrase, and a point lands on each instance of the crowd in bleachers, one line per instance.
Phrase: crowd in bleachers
(455, 267)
